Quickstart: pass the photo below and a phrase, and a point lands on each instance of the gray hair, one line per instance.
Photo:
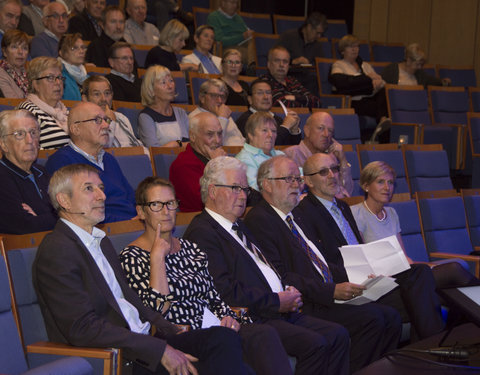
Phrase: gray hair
(205, 86)
(255, 120)
(47, 8)
(61, 181)
(266, 169)
(7, 116)
(214, 172)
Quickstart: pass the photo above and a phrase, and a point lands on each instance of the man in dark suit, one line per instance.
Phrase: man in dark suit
(88, 23)
(333, 222)
(244, 277)
(374, 329)
(86, 301)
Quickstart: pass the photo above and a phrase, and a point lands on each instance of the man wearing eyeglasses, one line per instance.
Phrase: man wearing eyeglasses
(211, 98)
(88, 128)
(319, 130)
(24, 203)
(55, 19)
(374, 330)
(244, 277)
(331, 221)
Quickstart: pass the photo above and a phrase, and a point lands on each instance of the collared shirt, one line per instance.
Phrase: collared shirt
(52, 35)
(270, 275)
(226, 15)
(92, 243)
(145, 33)
(21, 173)
(128, 77)
(98, 161)
(300, 231)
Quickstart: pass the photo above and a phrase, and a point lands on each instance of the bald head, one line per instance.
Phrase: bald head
(205, 133)
(319, 130)
(321, 173)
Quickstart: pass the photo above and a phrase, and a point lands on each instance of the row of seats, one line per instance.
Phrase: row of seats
(439, 225)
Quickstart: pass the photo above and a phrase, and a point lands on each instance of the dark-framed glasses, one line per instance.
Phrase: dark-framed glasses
(236, 189)
(97, 119)
(288, 179)
(324, 171)
(157, 206)
(52, 78)
(214, 95)
(57, 16)
(22, 133)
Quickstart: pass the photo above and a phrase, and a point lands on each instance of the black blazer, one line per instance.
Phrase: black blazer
(236, 276)
(318, 220)
(82, 24)
(285, 252)
(78, 306)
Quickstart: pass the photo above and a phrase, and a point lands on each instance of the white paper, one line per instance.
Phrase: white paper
(209, 319)
(472, 292)
(382, 257)
(285, 110)
(376, 288)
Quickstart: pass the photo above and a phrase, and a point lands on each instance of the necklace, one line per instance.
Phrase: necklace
(376, 217)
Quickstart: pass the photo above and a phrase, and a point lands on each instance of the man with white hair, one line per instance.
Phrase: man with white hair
(137, 31)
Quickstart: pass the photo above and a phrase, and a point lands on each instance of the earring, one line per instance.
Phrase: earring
(366, 190)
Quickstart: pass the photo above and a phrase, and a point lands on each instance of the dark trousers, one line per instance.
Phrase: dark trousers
(320, 347)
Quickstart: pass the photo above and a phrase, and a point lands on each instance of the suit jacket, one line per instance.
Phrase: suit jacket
(82, 24)
(235, 274)
(78, 306)
(319, 221)
(286, 254)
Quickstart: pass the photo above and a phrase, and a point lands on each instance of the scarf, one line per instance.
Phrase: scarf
(59, 112)
(78, 72)
(20, 78)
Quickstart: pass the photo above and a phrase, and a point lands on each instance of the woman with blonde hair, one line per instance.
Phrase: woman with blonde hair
(171, 41)
(160, 123)
(232, 67)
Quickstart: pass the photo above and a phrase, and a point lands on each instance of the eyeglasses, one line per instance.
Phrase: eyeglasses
(324, 171)
(217, 96)
(78, 48)
(57, 16)
(124, 58)
(22, 133)
(236, 189)
(97, 119)
(157, 206)
(262, 93)
(231, 62)
(288, 179)
(52, 79)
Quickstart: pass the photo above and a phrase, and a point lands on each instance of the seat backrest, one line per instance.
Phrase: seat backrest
(411, 230)
(283, 23)
(187, 5)
(336, 29)
(200, 15)
(408, 104)
(474, 93)
(471, 200)
(12, 358)
(140, 53)
(121, 233)
(261, 23)
(449, 104)
(347, 128)
(134, 164)
(444, 223)
(389, 52)
(132, 115)
(355, 169)
(391, 155)
(195, 80)
(474, 131)
(323, 67)
(327, 47)
(162, 158)
(180, 87)
(378, 66)
(460, 75)
(262, 44)
(427, 170)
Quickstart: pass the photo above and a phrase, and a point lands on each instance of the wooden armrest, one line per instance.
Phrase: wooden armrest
(468, 258)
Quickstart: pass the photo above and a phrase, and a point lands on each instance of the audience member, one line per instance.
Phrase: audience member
(259, 146)
(231, 68)
(123, 78)
(287, 89)
(34, 12)
(172, 40)
(75, 7)
(55, 19)
(164, 10)
(211, 98)
(204, 38)
(97, 89)
(205, 134)
(160, 123)
(10, 11)
(13, 75)
(137, 31)
(244, 277)
(44, 101)
(88, 127)
(71, 51)
(374, 329)
(355, 77)
(376, 220)
(260, 99)
(231, 30)
(171, 276)
(24, 206)
(88, 23)
(410, 71)
(332, 222)
(318, 131)
(86, 301)
(113, 28)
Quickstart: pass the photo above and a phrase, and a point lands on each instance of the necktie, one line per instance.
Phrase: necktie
(311, 254)
(252, 248)
(344, 226)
